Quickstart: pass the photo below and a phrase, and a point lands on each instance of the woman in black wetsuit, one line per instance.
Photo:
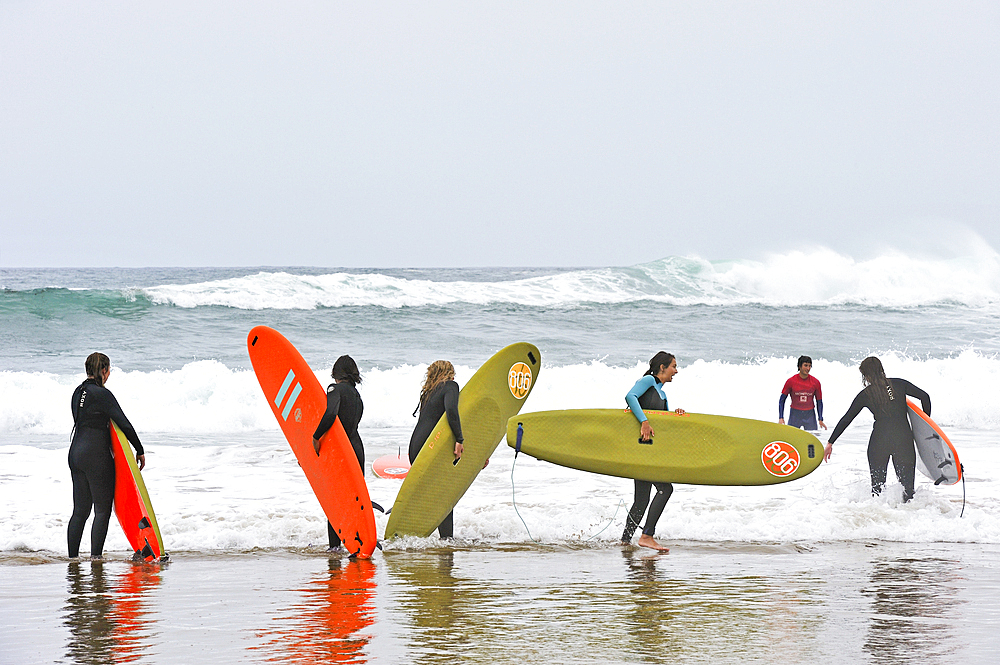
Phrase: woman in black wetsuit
(90, 460)
(438, 396)
(891, 434)
(343, 399)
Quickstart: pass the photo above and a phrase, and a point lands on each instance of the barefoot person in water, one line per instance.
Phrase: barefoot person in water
(647, 393)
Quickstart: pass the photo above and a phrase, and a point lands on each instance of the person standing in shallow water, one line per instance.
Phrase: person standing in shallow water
(647, 393)
(343, 399)
(891, 434)
(90, 461)
(804, 391)
(438, 396)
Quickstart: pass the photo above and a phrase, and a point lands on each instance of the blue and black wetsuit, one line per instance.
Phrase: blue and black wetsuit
(91, 463)
(442, 400)
(343, 399)
(647, 393)
(891, 434)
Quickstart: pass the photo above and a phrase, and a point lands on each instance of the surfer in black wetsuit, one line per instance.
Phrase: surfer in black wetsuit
(343, 399)
(90, 460)
(647, 393)
(891, 434)
(438, 396)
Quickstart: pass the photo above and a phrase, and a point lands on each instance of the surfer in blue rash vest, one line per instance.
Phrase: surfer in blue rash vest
(891, 434)
(438, 396)
(647, 393)
(343, 399)
(90, 461)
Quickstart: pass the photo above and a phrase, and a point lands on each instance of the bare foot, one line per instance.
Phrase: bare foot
(647, 541)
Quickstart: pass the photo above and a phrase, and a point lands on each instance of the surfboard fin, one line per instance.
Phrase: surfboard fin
(378, 544)
(143, 524)
(378, 507)
(147, 552)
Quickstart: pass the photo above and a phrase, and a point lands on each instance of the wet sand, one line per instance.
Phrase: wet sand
(872, 602)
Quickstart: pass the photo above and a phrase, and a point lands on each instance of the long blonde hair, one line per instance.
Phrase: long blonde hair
(438, 372)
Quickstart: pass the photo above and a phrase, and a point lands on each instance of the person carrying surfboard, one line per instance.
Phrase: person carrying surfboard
(647, 393)
(891, 434)
(804, 391)
(344, 400)
(438, 396)
(90, 461)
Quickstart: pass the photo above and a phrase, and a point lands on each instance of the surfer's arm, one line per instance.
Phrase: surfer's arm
(451, 412)
(913, 391)
(111, 407)
(330, 415)
(819, 411)
(781, 408)
(632, 399)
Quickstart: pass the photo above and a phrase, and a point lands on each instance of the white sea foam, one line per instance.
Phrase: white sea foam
(817, 277)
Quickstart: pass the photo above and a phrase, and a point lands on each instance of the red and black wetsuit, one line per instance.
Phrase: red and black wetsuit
(91, 463)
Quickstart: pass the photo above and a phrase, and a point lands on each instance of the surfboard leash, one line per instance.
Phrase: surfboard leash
(962, 466)
(517, 449)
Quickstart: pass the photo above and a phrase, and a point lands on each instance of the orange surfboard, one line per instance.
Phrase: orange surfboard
(298, 401)
(133, 508)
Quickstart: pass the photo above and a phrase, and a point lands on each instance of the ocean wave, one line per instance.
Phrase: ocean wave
(208, 397)
(820, 278)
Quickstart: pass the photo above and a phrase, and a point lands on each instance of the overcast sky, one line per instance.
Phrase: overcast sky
(493, 134)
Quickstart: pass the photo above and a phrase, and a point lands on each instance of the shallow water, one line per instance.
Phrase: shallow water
(727, 602)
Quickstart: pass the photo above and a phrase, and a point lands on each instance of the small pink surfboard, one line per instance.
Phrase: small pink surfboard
(391, 466)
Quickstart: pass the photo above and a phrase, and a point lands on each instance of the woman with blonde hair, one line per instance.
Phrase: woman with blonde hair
(891, 434)
(438, 396)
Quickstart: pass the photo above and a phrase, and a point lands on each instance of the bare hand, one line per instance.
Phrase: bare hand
(822, 424)
(827, 452)
(459, 449)
(142, 462)
(316, 446)
(646, 431)
(781, 421)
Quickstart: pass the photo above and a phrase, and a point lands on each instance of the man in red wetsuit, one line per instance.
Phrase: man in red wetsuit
(806, 392)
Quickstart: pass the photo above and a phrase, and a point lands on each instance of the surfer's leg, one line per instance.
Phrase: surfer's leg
(447, 527)
(878, 461)
(904, 462)
(635, 513)
(663, 492)
(332, 536)
(82, 502)
(102, 486)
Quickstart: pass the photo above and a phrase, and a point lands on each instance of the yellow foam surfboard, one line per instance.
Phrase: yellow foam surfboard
(693, 449)
(434, 484)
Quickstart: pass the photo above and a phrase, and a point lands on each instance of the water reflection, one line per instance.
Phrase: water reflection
(328, 624)
(912, 600)
(105, 614)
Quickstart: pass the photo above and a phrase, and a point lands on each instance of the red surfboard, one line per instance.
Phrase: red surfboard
(391, 466)
(132, 505)
(298, 401)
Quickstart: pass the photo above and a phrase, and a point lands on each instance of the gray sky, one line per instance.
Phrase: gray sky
(492, 134)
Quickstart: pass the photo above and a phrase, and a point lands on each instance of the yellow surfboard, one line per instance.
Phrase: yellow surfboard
(694, 448)
(435, 483)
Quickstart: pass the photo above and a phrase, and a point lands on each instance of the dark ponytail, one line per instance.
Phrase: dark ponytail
(345, 369)
(661, 358)
(876, 384)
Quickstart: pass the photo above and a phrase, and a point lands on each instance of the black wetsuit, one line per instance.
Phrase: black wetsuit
(91, 463)
(650, 400)
(891, 435)
(442, 400)
(343, 399)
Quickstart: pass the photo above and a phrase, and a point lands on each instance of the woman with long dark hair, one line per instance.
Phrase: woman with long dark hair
(90, 460)
(891, 434)
(647, 393)
(343, 399)
(438, 396)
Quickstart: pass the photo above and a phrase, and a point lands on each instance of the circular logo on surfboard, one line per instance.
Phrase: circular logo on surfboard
(519, 380)
(780, 459)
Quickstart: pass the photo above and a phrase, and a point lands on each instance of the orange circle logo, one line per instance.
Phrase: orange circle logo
(780, 459)
(519, 380)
